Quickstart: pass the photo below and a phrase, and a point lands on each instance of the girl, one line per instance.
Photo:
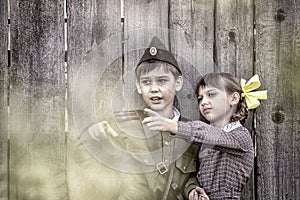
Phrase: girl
(226, 156)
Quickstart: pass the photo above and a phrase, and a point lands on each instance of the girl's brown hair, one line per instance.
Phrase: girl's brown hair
(227, 82)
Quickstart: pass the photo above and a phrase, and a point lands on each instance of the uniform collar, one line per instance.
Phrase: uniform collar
(233, 125)
(176, 114)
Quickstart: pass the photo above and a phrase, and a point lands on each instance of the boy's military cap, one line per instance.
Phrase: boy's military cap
(158, 51)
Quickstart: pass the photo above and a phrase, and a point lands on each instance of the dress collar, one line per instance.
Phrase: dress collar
(233, 125)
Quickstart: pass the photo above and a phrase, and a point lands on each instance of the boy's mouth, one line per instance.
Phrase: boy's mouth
(155, 99)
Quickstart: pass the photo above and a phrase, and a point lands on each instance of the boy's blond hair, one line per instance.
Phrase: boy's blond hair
(146, 67)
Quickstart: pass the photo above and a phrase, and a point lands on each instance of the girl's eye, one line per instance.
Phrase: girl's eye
(200, 99)
(211, 94)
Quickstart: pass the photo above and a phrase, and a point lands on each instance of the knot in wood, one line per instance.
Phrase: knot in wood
(280, 16)
(232, 36)
(278, 117)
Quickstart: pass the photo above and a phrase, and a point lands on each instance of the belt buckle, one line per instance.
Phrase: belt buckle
(162, 168)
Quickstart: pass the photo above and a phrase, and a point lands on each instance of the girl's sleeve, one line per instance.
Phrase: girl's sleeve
(237, 141)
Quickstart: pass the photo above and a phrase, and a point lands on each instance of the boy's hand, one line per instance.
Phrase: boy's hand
(101, 129)
(198, 194)
(158, 123)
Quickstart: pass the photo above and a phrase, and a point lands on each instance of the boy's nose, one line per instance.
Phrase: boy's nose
(154, 87)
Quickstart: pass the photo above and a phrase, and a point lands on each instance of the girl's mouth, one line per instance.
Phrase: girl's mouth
(206, 110)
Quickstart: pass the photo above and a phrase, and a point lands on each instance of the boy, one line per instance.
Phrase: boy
(160, 166)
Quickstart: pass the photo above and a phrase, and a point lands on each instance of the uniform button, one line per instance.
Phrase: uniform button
(167, 161)
(167, 143)
(174, 186)
(145, 160)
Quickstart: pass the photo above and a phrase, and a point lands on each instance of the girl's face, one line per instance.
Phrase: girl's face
(215, 105)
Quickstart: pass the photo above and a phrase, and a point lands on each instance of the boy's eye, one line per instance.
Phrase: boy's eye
(162, 80)
(146, 82)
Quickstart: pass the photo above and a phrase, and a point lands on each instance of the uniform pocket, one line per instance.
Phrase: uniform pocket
(186, 164)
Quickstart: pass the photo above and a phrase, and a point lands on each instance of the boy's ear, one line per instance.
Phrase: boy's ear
(235, 98)
(138, 87)
(179, 83)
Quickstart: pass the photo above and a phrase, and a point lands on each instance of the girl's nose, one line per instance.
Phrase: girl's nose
(204, 101)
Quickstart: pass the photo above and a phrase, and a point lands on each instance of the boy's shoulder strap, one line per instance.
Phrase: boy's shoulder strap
(125, 115)
(139, 115)
(153, 144)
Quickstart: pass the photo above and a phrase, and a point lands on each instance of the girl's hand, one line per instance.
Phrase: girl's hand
(158, 123)
(198, 194)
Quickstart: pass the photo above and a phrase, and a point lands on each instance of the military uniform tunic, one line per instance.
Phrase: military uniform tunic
(169, 163)
(140, 166)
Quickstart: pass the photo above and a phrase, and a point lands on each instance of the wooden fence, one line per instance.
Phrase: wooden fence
(43, 43)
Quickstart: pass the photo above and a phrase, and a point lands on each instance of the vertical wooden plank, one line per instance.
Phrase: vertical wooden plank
(192, 41)
(296, 101)
(93, 27)
(146, 14)
(37, 103)
(3, 99)
(89, 24)
(277, 53)
(234, 50)
(196, 20)
(148, 19)
(142, 21)
(94, 54)
(234, 37)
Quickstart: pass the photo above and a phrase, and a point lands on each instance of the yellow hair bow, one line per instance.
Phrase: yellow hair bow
(252, 97)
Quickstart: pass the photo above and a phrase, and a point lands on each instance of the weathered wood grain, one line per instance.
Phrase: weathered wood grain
(211, 35)
(37, 100)
(277, 53)
(93, 27)
(142, 21)
(195, 19)
(94, 68)
(3, 100)
(234, 37)
(192, 40)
